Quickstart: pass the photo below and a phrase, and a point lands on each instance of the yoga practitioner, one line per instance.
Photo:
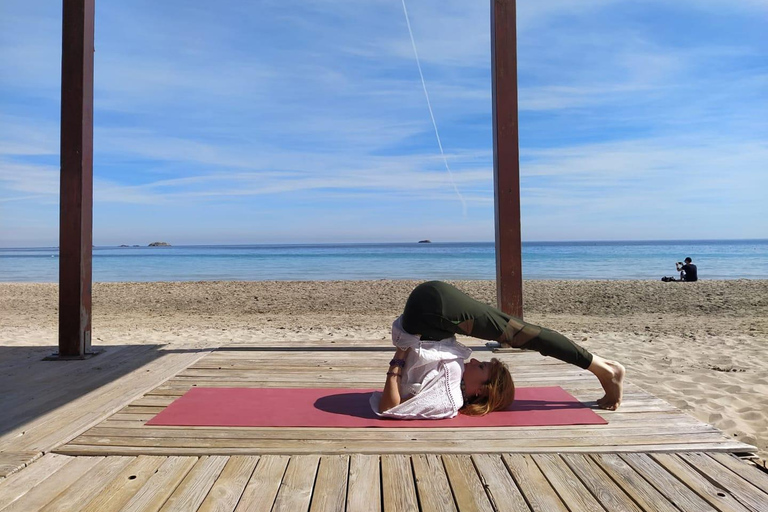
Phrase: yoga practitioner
(429, 378)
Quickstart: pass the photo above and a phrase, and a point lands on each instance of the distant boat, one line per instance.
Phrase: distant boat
(425, 241)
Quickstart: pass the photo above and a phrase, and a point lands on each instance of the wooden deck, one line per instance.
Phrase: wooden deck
(644, 423)
(99, 455)
(695, 482)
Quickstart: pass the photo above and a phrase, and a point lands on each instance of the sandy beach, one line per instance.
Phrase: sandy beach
(701, 346)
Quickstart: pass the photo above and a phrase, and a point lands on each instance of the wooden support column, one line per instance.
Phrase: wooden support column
(506, 157)
(76, 202)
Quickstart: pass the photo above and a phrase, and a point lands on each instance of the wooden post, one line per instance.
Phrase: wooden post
(76, 203)
(506, 157)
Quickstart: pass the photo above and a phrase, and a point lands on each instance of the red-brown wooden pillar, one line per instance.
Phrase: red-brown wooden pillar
(506, 157)
(76, 201)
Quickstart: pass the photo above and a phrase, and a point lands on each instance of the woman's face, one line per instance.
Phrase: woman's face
(476, 374)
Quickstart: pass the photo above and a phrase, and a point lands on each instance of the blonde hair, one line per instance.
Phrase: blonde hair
(501, 392)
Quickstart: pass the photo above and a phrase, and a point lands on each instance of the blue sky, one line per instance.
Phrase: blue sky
(305, 121)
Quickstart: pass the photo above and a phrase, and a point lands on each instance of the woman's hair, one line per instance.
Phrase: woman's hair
(501, 392)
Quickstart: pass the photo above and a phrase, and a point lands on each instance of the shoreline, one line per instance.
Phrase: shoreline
(372, 280)
(701, 346)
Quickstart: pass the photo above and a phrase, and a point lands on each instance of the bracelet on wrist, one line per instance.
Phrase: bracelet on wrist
(400, 363)
(393, 374)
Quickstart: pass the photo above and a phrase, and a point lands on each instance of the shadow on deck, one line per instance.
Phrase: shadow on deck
(44, 401)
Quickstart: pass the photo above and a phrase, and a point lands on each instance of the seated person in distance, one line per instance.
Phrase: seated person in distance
(687, 271)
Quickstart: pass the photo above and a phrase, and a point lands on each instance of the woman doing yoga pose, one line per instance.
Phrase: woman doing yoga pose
(429, 378)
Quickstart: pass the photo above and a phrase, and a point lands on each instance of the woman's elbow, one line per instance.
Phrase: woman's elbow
(387, 404)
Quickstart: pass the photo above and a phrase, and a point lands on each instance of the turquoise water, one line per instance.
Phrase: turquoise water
(743, 259)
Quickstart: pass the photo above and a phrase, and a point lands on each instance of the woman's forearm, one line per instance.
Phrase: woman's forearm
(390, 397)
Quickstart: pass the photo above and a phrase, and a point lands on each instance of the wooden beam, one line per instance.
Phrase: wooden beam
(506, 158)
(76, 205)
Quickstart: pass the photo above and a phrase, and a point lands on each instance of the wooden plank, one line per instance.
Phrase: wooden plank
(746, 471)
(398, 490)
(226, 491)
(125, 485)
(714, 494)
(413, 443)
(48, 489)
(465, 483)
(605, 490)
(740, 488)
(310, 360)
(88, 485)
(295, 491)
(190, 494)
(131, 428)
(350, 380)
(432, 486)
(627, 428)
(643, 493)
(646, 421)
(539, 494)
(330, 492)
(678, 493)
(18, 484)
(364, 492)
(498, 483)
(12, 461)
(161, 485)
(262, 488)
(127, 435)
(566, 483)
(322, 346)
(159, 401)
(364, 360)
(303, 447)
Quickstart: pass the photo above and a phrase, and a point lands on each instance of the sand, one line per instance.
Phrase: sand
(701, 346)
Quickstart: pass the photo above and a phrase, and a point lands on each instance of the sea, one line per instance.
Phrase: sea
(644, 260)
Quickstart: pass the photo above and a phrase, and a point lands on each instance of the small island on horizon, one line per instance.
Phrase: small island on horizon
(159, 244)
(425, 241)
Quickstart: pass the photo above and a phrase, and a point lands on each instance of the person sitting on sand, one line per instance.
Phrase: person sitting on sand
(428, 377)
(688, 272)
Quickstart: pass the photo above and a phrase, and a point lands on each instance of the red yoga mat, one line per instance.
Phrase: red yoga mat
(348, 408)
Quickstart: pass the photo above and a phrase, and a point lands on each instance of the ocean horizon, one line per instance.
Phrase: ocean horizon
(579, 260)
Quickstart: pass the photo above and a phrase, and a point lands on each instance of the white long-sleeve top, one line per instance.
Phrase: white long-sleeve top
(430, 386)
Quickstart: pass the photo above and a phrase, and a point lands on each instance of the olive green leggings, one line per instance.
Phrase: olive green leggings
(437, 310)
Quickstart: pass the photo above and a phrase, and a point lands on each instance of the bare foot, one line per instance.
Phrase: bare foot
(611, 377)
